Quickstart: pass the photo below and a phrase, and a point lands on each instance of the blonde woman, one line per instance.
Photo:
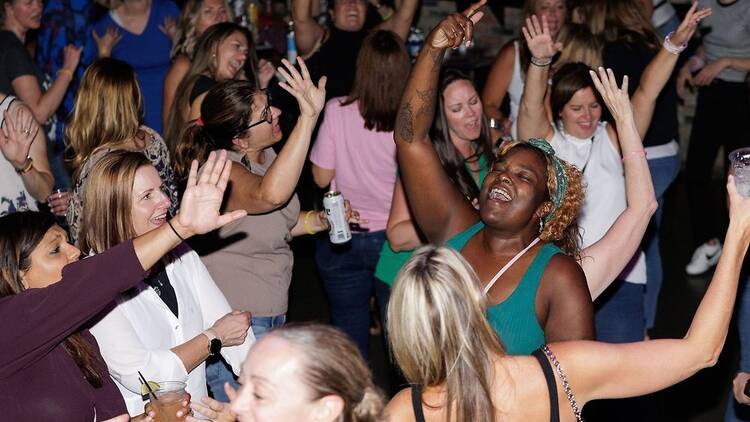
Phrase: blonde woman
(196, 17)
(108, 116)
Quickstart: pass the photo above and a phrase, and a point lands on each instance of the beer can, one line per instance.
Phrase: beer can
(339, 231)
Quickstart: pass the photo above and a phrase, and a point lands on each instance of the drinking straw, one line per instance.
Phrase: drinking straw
(143, 380)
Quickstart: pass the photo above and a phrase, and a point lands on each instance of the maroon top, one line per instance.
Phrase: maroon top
(39, 381)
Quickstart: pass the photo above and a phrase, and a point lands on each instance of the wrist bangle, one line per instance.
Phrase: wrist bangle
(541, 62)
(175, 231)
(674, 49)
(65, 72)
(305, 226)
(27, 166)
(638, 153)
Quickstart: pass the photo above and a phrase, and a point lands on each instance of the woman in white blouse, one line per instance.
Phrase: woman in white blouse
(168, 325)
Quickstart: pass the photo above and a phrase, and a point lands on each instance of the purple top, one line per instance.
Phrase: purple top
(39, 381)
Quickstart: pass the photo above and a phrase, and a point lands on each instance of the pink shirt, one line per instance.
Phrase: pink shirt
(364, 161)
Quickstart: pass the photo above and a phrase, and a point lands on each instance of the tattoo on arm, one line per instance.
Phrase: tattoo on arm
(405, 123)
(428, 102)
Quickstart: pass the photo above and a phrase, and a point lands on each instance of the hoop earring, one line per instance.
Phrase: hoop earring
(541, 225)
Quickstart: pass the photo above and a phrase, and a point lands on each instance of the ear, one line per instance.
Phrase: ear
(239, 142)
(328, 408)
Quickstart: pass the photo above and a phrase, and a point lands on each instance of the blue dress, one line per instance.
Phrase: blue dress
(148, 53)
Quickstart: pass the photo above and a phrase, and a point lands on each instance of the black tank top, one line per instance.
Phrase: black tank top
(549, 377)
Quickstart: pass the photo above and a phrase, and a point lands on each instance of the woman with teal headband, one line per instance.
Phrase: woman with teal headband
(529, 194)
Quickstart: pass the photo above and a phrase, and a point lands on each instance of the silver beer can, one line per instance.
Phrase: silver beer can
(339, 231)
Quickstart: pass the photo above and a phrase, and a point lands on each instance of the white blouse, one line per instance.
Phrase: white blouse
(139, 332)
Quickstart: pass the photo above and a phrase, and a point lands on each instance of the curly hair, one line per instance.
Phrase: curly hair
(562, 228)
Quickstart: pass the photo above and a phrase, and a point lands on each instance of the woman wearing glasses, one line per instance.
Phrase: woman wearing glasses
(250, 260)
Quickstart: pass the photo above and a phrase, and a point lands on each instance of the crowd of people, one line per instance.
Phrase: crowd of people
(158, 160)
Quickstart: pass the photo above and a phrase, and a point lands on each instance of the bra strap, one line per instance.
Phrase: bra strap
(508, 265)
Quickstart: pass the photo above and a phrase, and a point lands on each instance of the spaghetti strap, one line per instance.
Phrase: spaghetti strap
(549, 377)
(416, 402)
(508, 265)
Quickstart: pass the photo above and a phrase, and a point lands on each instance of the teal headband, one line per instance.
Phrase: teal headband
(561, 178)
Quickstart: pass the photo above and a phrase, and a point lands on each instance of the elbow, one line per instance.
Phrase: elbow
(273, 200)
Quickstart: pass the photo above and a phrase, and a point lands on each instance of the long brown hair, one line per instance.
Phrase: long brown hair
(452, 161)
(379, 81)
(225, 114)
(619, 20)
(204, 63)
(108, 109)
(20, 234)
(108, 196)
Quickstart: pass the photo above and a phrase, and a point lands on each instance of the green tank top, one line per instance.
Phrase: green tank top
(391, 262)
(514, 319)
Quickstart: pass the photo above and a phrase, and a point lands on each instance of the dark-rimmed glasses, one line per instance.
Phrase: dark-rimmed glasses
(267, 116)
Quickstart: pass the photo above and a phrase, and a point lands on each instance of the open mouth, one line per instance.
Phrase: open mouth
(159, 219)
(499, 194)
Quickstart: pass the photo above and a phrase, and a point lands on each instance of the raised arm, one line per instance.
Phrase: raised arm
(604, 260)
(659, 70)
(307, 31)
(439, 208)
(20, 140)
(532, 115)
(258, 194)
(44, 104)
(599, 370)
(400, 22)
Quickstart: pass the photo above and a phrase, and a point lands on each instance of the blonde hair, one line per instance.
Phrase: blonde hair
(186, 36)
(332, 365)
(439, 333)
(108, 197)
(579, 46)
(108, 109)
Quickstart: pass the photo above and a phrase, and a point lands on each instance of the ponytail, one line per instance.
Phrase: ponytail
(195, 144)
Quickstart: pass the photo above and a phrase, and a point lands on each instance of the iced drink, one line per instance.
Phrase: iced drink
(169, 401)
(740, 159)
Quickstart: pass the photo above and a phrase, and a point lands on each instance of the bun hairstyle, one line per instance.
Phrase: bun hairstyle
(333, 365)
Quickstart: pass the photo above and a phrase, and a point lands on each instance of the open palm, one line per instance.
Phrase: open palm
(616, 98)
(19, 131)
(539, 38)
(310, 97)
(199, 209)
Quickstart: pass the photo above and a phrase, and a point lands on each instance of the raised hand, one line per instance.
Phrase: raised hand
(19, 131)
(169, 28)
(199, 210)
(106, 42)
(265, 72)
(311, 98)
(688, 25)
(456, 28)
(539, 38)
(616, 98)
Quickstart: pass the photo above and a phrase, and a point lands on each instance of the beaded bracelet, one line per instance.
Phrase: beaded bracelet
(674, 49)
(541, 62)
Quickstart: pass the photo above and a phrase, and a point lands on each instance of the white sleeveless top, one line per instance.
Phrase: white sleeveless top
(13, 194)
(515, 90)
(604, 179)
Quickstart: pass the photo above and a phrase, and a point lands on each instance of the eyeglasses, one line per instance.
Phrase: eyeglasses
(267, 116)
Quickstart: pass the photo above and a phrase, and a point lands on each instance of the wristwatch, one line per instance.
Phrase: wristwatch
(214, 343)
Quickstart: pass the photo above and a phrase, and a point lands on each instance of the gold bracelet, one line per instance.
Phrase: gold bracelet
(305, 226)
(65, 72)
(28, 165)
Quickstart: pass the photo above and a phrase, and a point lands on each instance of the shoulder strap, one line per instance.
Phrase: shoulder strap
(549, 376)
(509, 264)
(564, 380)
(416, 402)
